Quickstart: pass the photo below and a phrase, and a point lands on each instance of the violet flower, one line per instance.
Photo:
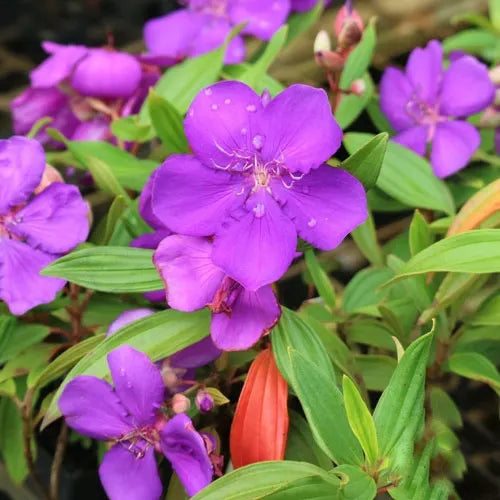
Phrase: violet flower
(82, 89)
(129, 416)
(257, 179)
(239, 316)
(36, 225)
(203, 25)
(426, 106)
(304, 5)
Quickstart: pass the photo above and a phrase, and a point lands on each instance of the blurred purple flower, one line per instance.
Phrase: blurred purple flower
(36, 226)
(203, 25)
(256, 179)
(239, 316)
(424, 104)
(304, 5)
(129, 416)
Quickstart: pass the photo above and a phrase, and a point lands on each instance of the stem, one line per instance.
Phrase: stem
(491, 159)
(55, 470)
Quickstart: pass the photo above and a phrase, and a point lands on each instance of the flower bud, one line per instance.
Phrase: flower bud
(330, 60)
(204, 401)
(180, 403)
(348, 27)
(358, 87)
(322, 42)
(50, 175)
(495, 75)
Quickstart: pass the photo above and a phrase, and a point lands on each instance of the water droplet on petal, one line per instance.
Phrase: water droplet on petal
(191, 112)
(259, 210)
(252, 108)
(312, 222)
(208, 91)
(243, 131)
(227, 101)
(122, 371)
(258, 142)
(214, 107)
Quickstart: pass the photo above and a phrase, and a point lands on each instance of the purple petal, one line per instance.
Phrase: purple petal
(452, 147)
(199, 354)
(128, 317)
(185, 265)
(303, 5)
(264, 17)
(253, 314)
(186, 451)
(190, 198)
(129, 476)
(107, 73)
(58, 66)
(55, 221)
(424, 70)
(258, 248)
(21, 286)
(138, 384)
(145, 207)
(325, 205)
(96, 129)
(395, 93)
(22, 162)
(414, 138)
(92, 408)
(231, 109)
(290, 125)
(150, 240)
(466, 88)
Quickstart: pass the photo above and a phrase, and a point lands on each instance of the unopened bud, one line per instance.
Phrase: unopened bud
(495, 75)
(329, 60)
(358, 87)
(180, 403)
(348, 27)
(322, 42)
(204, 401)
(50, 175)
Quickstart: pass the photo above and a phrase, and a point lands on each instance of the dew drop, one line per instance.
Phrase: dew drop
(208, 91)
(214, 107)
(191, 112)
(227, 101)
(252, 108)
(122, 371)
(259, 210)
(243, 131)
(312, 222)
(258, 142)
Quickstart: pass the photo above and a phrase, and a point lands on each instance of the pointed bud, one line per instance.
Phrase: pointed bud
(204, 401)
(329, 60)
(358, 87)
(495, 75)
(322, 42)
(50, 175)
(180, 403)
(348, 27)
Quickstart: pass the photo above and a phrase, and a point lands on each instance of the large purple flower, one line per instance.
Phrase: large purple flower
(424, 104)
(82, 89)
(239, 316)
(129, 416)
(257, 178)
(304, 5)
(35, 229)
(204, 25)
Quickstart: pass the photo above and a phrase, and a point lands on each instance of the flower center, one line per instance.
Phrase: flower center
(8, 220)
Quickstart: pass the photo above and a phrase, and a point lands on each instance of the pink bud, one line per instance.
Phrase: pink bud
(204, 401)
(180, 403)
(348, 27)
(358, 87)
(329, 60)
(495, 75)
(50, 175)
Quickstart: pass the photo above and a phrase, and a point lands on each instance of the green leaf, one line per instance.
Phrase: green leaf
(377, 117)
(234, 72)
(299, 22)
(473, 41)
(366, 240)
(365, 163)
(293, 331)
(129, 128)
(356, 484)
(352, 105)
(324, 409)
(444, 409)
(167, 122)
(30, 359)
(488, 313)
(360, 420)
(474, 366)
(38, 125)
(15, 337)
(476, 251)
(104, 177)
(406, 176)
(401, 405)
(320, 279)
(420, 235)
(108, 269)
(256, 72)
(482, 340)
(360, 58)
(371, 332)
(376, 370)
(115, 212)
(271, 480)
(159, 335)
(494, 9)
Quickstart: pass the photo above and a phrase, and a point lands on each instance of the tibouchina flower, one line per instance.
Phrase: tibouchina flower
(257, 179)
(36, 226)
(82, 89)
(303, 5)
(239, 316)
(129, 417)
(425, 105)
(203, 25)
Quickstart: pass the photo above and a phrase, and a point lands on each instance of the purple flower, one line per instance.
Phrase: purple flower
(204, 401)
(129, 416)
(424, 105)
(239, 316)
(304, 5)
(36, 227)
(257, 179)
(203, 25)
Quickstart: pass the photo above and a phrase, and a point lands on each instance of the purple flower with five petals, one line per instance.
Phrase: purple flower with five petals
(36, 227)
(129, 416)
(239, 316)
(426, 105)
(257, 179)
(203, 25)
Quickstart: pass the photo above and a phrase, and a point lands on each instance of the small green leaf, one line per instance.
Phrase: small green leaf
(108, 269)
(18, 336)
(267, 82)
(474, 366)
(494, 8)
(129, 128)
(217, 396)
(360, 420)
(377, 117)
(320, 279)
(356, 484)
(115, 212)
(444, 409)
(366, 239)
(299, 22)
(420, 235)
(376, 370)
(104, 177)
(365, 163)
(488, 313)
(473, 41)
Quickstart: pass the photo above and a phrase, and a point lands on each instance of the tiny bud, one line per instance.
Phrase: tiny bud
(322, 42)
(50, 175)
(495, 75)
(330, 60)
(204, 401)
(180, 403)
(348, 27)
(358, 87)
